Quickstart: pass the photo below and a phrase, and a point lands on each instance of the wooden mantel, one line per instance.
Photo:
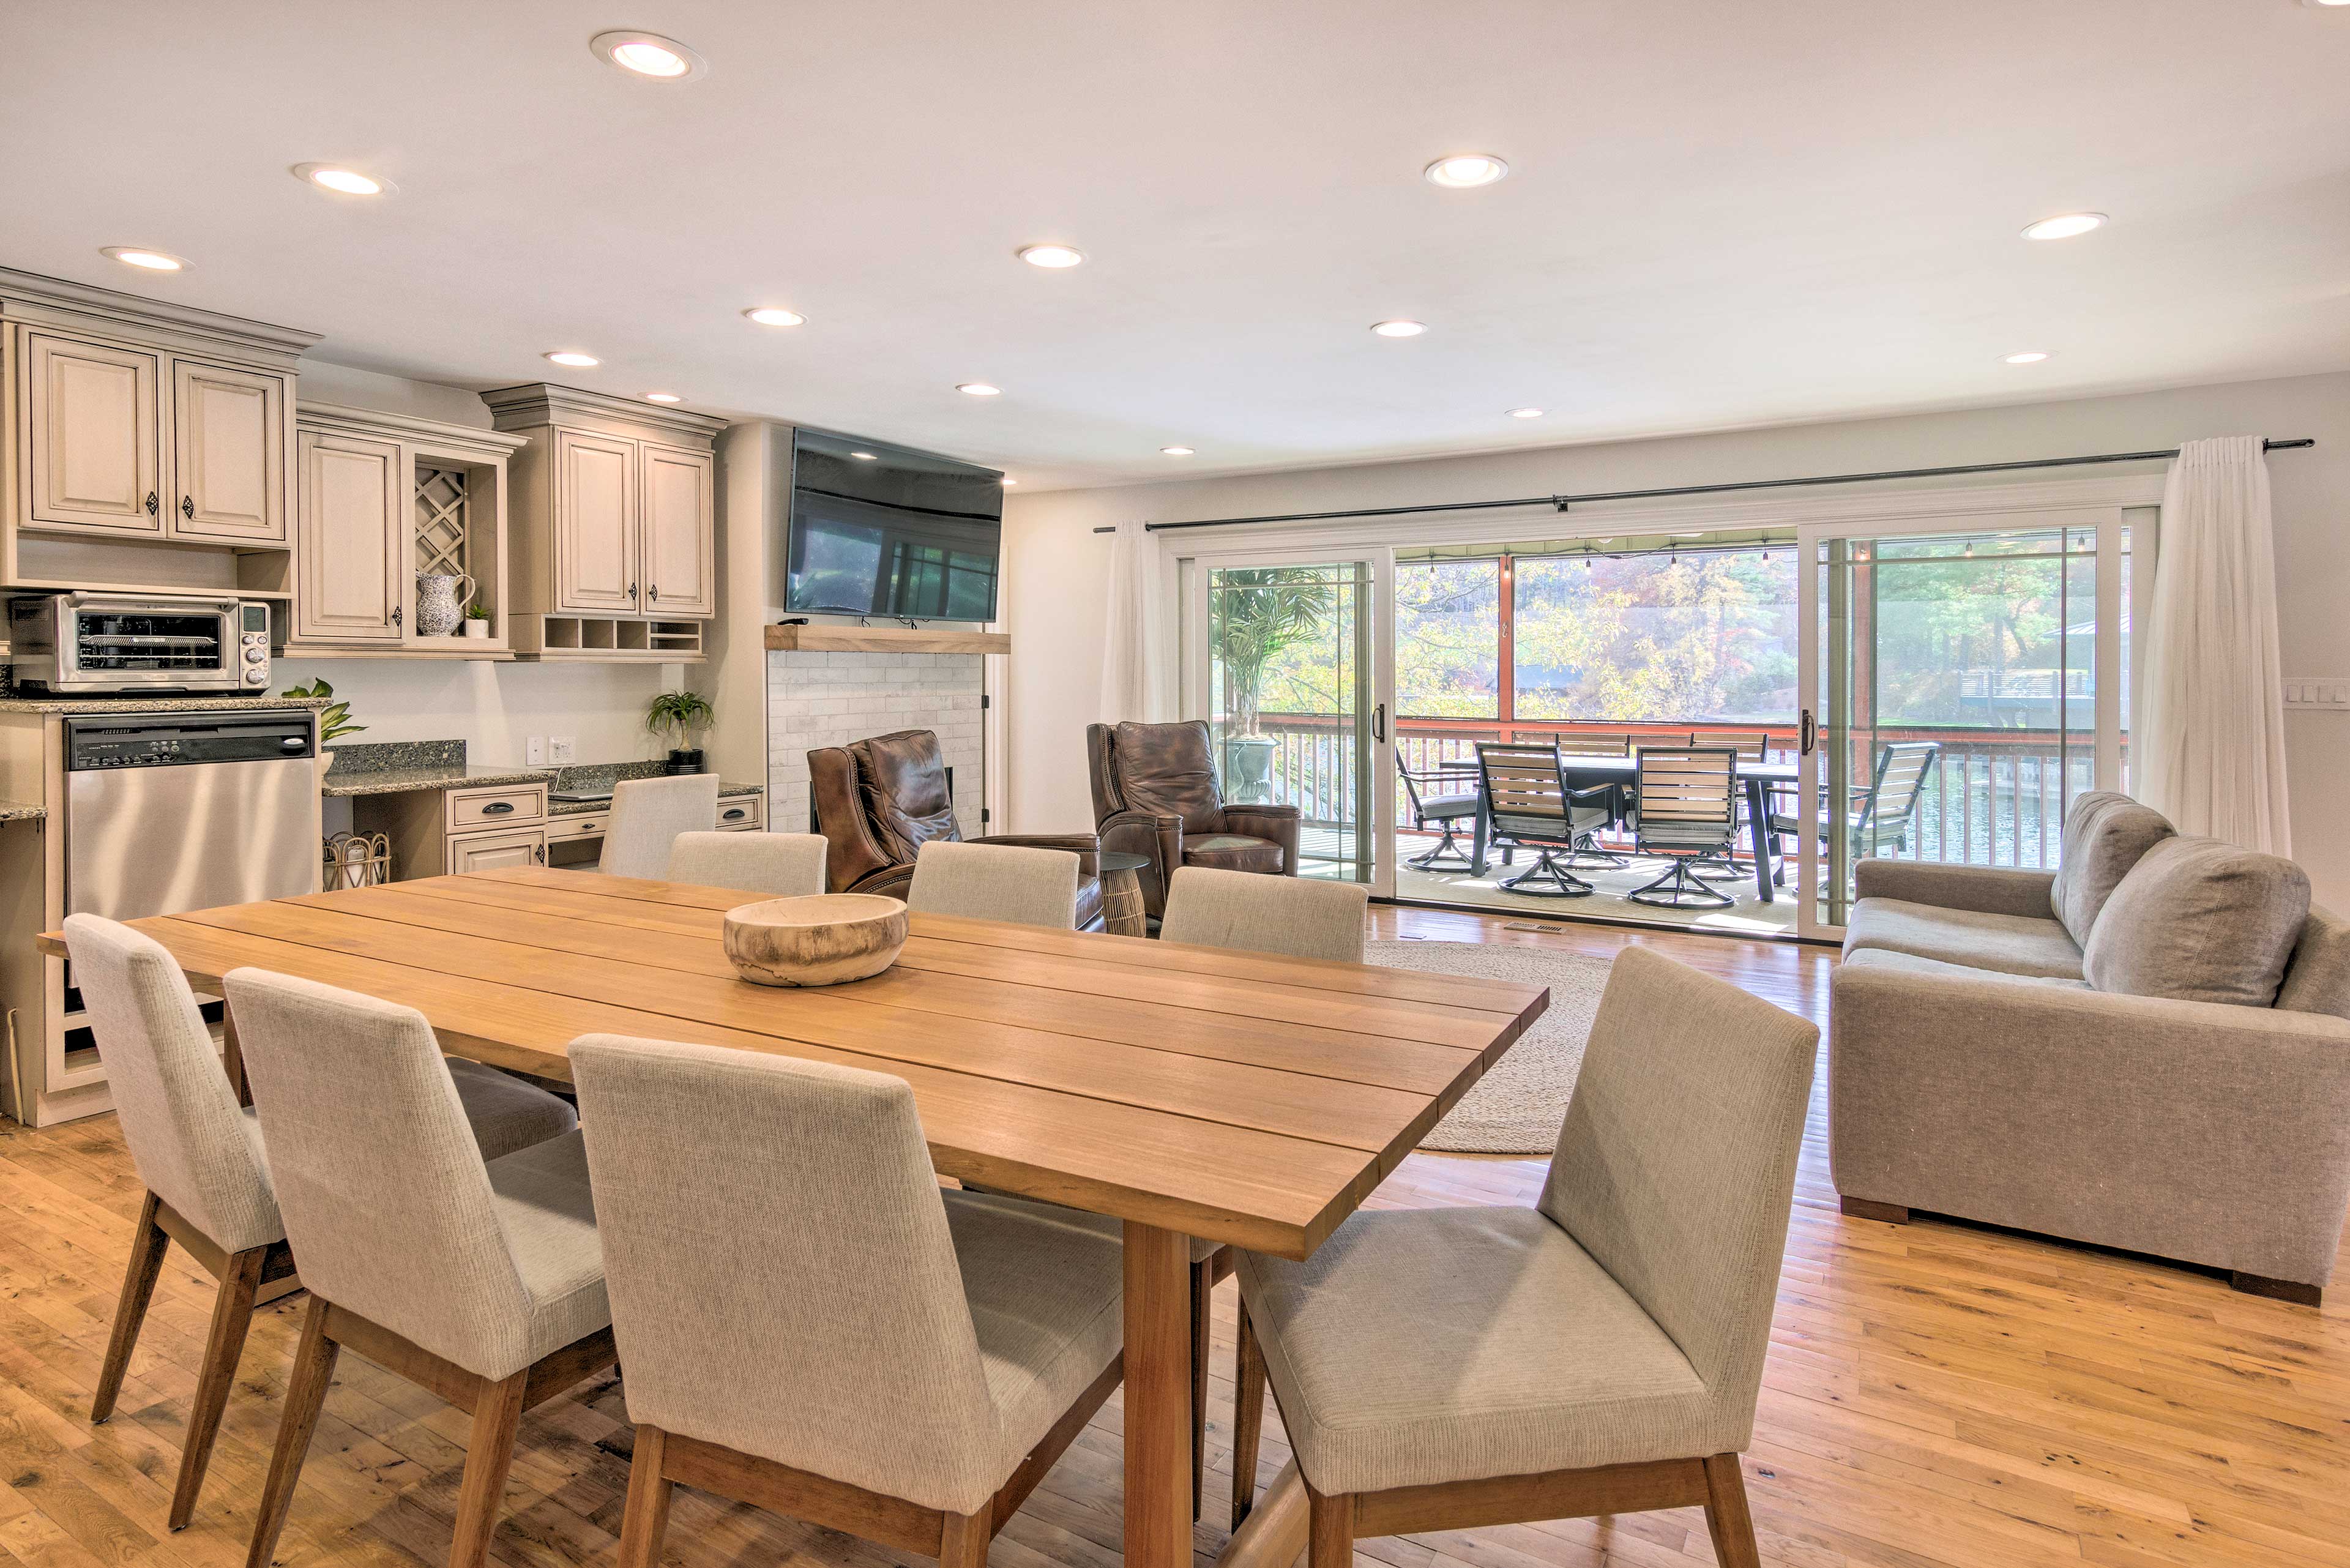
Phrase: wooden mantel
(813, 637)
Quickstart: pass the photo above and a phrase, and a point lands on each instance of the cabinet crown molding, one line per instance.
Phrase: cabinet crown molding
(439, 434)
(542, 403)
(80, 306)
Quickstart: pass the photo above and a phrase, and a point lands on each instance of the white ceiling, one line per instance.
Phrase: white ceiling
(1720, 213)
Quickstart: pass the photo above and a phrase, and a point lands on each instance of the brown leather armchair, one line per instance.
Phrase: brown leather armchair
(876, 801)
(1155, 794)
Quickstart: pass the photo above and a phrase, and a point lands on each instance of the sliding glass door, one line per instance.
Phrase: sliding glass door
(1965, 681)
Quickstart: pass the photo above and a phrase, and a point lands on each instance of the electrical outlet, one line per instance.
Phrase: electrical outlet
(534, 752)
(560, 749)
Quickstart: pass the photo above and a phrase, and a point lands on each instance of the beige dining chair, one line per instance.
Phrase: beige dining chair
(1599, 1353)
(1295, 916)
(780, 865)
(648, 814)
(996, 882)
(479, 1281)
(200, 1158)
(810, 1323)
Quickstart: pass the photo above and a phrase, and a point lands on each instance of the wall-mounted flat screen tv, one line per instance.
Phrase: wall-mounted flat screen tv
(883, 530)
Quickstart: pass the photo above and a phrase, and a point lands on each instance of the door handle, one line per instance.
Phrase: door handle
(1379, 723)
(187, 507)
(1810, 734)
(653, 592)
(151, 507)
(397, 612)
(540, 851)
(632, 590)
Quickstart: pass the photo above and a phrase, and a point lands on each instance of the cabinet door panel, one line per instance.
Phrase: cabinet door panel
(97, 445)
(497, 851)
(352, 586)
(678, 526)
(228, 455)
(596, 523)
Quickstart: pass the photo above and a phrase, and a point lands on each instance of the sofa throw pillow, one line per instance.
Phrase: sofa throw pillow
(2104, 834)
(2200, 920)
(2317, 980)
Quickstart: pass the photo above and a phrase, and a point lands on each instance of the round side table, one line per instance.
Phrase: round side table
(1121, 894)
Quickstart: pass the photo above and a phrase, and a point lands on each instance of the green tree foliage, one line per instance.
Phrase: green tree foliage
(1258, 614)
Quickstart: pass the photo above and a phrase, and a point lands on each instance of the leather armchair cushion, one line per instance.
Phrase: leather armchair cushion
(1167, 770)
(1232, 852)
(903, 782)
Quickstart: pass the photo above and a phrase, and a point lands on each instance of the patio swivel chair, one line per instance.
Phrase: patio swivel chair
(1615, 745)
(1752, 746)
(1881, 815)
(1529, 802)
(1687, 808)
(1447, 811)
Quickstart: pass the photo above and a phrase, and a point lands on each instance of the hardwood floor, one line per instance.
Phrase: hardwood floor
(1937, 1396)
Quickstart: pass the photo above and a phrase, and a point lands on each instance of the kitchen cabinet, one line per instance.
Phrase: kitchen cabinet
(380, 498)
(438, 831)
(615, 555)
(228, 454)
(95, 436)
(497, 851)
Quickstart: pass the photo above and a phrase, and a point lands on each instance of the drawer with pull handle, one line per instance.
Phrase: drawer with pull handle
(583, 824)
(505, 806)
(741, 812)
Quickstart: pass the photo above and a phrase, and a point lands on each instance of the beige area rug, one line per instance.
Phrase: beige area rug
(1517, 1108)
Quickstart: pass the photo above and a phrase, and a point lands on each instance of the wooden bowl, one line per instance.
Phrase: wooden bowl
(822, 939)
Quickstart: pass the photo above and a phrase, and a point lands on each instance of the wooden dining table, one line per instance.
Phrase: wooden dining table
(1186, 1091)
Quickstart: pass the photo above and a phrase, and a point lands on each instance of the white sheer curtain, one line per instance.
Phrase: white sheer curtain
(2210, 743)
(1135, 668)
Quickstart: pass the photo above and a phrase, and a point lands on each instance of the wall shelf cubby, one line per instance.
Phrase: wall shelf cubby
(609, 640)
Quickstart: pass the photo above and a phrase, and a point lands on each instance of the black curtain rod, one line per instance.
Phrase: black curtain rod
(1561, 502)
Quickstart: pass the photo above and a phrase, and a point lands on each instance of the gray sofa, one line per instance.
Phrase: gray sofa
(2148, 1050)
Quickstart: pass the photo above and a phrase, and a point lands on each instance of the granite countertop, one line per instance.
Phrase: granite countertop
(18, 811)
(136, 704)
(393, 767)
(396, 781)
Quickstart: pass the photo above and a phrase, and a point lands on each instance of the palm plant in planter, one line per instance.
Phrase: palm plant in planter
(1259, 612)
(679, 718)
(334, 719)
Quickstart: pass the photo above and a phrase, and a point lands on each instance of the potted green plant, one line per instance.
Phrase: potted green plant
(334, 719)
(1257, 613)
(679, 718)
(477, 620)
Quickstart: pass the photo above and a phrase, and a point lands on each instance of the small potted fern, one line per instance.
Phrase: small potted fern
(334, 719)
(679, 718)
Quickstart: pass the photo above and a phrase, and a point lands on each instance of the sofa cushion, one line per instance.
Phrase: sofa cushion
(1910, 963)
(2010, 944)
(2200, 920)
(2318, 978)
(2105, 834)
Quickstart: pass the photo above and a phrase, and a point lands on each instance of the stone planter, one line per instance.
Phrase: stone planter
(1248, 769)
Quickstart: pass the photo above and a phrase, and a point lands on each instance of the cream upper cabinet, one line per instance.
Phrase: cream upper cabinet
(352, 546)
(228, 452)
(596, 522)
(678, 544)
(96, 447)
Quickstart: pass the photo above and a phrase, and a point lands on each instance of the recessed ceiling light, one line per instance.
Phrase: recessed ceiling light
(776, 316)
(2029, 356)
(1176, 451)
(2064, 226)
(1464, 170)
(648, 55)
(1399, 329)
(1525, 413)
(663, 398)
(864, 457)
(1053, 255)
(149, 259)
(342, 181)
(572, 357)
(978, 389)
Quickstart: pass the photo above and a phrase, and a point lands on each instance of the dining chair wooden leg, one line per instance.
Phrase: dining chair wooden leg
(646, 1520)
(489, 1456)
(232, 1317)
(305, 1396)
(1203, 1292)
(1726, 1514)
(148, 1245)
(1248, 1418)
(1330, 1530)
(962, 1540)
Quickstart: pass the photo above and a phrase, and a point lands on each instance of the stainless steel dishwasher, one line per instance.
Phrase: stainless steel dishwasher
(174, 811)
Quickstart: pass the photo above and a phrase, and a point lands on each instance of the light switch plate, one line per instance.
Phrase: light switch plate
(534, 752)
(2309, 692)
(560, 750)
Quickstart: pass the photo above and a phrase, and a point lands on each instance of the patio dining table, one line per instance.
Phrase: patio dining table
(1757, 779)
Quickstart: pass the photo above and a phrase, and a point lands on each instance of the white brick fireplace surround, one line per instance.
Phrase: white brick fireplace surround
(828, 698)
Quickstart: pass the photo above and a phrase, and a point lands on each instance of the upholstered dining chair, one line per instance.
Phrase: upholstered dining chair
(810, 1323)
(648, 814)
(1599, 1353)
(1293, 915)
(1155, 794)
(479, 1281)
(996, 882)
(199, 1157)
(780, 865)
(877, 801)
